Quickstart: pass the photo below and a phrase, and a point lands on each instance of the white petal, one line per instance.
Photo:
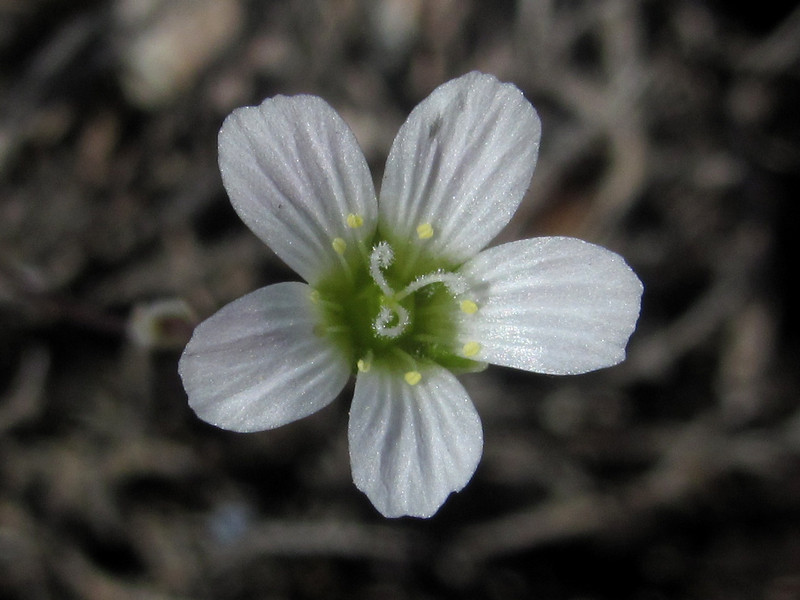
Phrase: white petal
(551, 305)
(461, 163)
(411, 446)
(294, 172)
(256, 364)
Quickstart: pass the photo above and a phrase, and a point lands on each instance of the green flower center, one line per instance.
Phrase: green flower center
(392, 306)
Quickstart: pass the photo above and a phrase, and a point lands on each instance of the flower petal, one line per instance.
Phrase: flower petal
(412, 445)
(294, 173)
(256, 363)
(551, 305)
(461, 163)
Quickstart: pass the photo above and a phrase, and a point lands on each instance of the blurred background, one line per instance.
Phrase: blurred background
(671, 135)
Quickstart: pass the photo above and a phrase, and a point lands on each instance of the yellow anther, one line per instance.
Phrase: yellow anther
(363, 365)
(314, 297)
(471, 348)
(469, 307)
(354, 221)
(339, 245)
(413, 377)
(425, 231)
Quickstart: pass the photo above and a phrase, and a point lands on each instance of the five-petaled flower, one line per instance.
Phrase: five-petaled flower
(399, 290)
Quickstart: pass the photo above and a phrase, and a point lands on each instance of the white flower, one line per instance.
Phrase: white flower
(399, 290)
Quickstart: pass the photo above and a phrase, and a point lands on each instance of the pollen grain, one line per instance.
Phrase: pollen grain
(471, 349)
(425, 231)
(413, 377)
(354, 221)
(469, 307)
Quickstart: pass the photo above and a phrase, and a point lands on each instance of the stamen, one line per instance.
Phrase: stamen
(469, 307)
(337, 329)
(453, 281)
(386, 316)
(354, 221)
(403, 358)
(425, 231)
(426, 338)
(320, 330)
(413, 377)
(319, 300)
(381, 257)
(339, 245)
(471, 348)
(365, 364)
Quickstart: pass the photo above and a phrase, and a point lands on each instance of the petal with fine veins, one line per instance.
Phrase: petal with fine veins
(460, 166)
(412, 445)
(550, 305)
(256, 364)
(295, 173)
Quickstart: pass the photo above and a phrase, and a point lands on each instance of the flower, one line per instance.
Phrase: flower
(399, 290)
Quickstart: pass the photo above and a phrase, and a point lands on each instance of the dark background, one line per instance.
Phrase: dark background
(670, 135)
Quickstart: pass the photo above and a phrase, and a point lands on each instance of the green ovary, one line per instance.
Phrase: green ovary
(351, 301)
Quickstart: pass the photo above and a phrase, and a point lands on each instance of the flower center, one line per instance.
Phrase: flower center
(393, 318)
(391, 310)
